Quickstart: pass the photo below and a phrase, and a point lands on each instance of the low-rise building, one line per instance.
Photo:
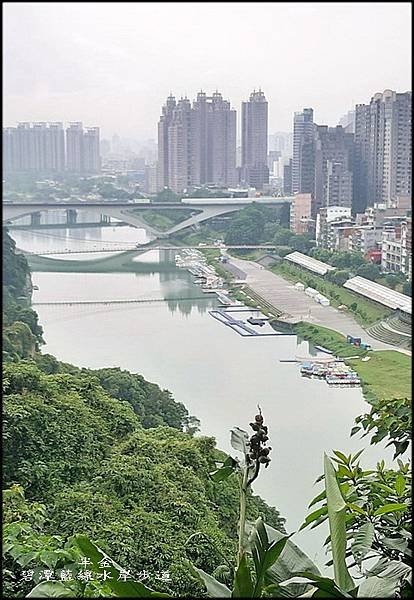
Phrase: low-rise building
(364, 238)
(394, 248)
(327, 219)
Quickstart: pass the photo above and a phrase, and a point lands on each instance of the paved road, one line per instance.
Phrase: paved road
(282, 294)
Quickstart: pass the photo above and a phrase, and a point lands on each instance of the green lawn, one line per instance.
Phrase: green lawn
(328, 338)
(387, 374)
(364, 311)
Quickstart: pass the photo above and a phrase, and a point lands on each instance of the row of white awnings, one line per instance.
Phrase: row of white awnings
(307, 262)
(379, 293)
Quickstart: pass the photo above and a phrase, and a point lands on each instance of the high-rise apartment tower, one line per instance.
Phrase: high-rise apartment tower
(255, 171)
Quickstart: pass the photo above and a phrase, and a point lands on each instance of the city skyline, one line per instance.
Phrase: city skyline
(124, 77)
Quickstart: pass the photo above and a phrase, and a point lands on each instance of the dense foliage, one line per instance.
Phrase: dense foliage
(257, 224)
(139, 493)
(21, 332)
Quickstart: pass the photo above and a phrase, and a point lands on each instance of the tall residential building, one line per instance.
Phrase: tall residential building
(91, 152)
(334, 157)
(163, 125)
(255, 171)
(180, 147)
(82, 149)
(383, 149)
(37, 147)
(197, 144)
(221, 142)
(74, 147)
(303, 161)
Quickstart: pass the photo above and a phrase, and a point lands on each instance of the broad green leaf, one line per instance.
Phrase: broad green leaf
(337, 529)
(387, 508)
(265, 553)
(314, 516)
(324, 584)
(49, 558)
(124, 589)
(243, 585)
(399, 543)
(222, 474)
(363, 540)
(51, 589)
(356, 508)
(291, 559)
(355, 430)
(25, 559)
(399, 484)
(386, 580)
(341, 456)
(215, 589)
(318, 498)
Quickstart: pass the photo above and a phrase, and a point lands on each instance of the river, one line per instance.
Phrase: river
(218, 375)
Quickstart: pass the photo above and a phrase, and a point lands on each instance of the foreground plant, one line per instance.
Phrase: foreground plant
(369, 515)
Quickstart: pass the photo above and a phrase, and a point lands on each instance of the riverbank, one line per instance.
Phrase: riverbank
(387, 373)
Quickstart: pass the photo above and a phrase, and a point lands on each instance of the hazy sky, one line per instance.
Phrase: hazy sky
(113, 64)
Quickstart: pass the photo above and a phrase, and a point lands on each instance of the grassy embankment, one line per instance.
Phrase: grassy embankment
(387, 374)
(365, 312)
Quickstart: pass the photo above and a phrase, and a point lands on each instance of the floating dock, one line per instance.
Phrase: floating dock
(224, 316)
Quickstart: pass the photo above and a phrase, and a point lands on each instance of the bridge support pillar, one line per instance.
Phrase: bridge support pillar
(35, 219)
(105, 219)
(71, 216)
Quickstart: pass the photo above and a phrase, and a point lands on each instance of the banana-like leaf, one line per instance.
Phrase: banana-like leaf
(229, 467)
(337, 529)
(324, 584)
(222, 474)
(51, 589)
(385, 581)
(215, 589)
(239, 439)
(291, 560)
(123, 589)
(363, 541)
(265, 553)
(243, 584)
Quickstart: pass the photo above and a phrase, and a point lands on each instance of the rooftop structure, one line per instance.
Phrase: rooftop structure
(307, 262)
(379, 293)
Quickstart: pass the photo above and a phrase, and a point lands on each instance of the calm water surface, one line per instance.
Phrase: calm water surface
(219, 375)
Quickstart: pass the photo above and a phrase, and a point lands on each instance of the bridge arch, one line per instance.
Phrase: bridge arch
(127, 212)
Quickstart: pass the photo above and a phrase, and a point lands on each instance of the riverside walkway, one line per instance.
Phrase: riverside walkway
(297, 306)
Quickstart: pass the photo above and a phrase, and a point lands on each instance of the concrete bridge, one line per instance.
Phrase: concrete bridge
(201, 209)
(145, 248)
